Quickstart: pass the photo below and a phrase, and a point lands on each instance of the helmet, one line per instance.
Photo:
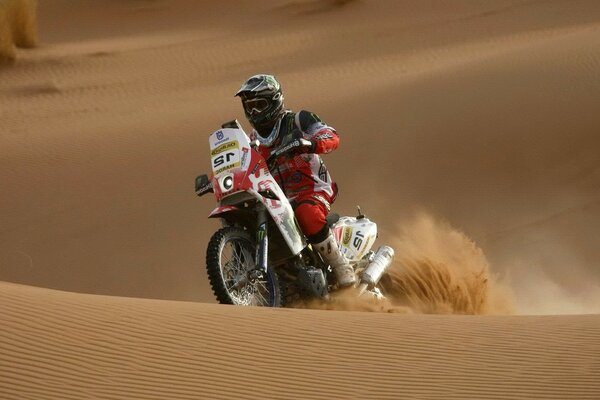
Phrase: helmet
(263, 105)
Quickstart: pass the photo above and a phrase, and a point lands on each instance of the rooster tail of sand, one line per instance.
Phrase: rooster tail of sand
(439, 270)
(18, 26)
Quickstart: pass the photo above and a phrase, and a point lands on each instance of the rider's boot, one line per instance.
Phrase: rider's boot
(331, 253)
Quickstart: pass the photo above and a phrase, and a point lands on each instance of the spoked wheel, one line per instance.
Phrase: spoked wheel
(232, 271)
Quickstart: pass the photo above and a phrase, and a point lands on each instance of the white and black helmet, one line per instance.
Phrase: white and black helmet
(263, 105)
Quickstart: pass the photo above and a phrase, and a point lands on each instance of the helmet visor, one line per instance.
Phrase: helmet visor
(256, 105)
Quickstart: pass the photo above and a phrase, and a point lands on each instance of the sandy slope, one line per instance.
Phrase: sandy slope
(60, 345)
(483, 114)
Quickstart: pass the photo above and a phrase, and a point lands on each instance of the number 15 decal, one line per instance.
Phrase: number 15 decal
(358, 240)
(222, 159)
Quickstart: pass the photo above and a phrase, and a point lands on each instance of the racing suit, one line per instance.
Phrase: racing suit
(304, 179)
(301, 173)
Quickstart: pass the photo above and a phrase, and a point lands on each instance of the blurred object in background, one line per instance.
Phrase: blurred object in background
(18, 27)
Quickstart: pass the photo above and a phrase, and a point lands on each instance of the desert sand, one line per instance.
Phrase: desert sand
(469, 134)
(60, 345)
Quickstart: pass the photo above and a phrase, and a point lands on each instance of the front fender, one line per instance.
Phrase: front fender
(219, 211)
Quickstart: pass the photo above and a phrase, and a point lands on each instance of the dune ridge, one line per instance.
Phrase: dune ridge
(58, 344)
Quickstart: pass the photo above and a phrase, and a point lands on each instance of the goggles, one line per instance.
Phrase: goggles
(256, 105)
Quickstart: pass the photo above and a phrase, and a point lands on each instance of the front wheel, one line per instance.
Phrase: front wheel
(231, 267)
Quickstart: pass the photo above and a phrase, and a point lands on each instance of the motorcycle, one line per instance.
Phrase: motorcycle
(260, 256)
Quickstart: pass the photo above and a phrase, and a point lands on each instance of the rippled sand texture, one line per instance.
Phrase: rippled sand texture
(72, 346)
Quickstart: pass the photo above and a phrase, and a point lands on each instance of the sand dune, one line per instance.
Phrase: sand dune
(71, 346)
(473, 124)
(104, 126)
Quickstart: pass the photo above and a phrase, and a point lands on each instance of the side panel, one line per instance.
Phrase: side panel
(355, 236)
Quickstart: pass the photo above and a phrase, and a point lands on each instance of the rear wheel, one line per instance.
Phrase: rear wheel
(231, 267)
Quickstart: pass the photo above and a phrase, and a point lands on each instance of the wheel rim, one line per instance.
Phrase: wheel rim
(236, 261)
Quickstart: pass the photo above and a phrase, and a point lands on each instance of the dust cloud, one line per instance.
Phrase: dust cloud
(440, 270)
(437, 270)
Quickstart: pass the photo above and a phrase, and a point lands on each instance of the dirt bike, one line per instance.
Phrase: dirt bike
(260, 256)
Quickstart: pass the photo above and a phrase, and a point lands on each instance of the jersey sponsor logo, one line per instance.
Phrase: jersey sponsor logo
(324, 136)
(315, 128)
(323, 173)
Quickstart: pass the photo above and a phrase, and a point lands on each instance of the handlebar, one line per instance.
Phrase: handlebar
(289, 146)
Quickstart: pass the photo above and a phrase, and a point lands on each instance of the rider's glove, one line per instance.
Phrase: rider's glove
(295, 145)
(308, 145)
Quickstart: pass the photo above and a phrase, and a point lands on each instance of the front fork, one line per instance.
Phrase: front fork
(262, 241)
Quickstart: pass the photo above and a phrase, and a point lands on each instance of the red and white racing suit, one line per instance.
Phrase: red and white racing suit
(302, 175)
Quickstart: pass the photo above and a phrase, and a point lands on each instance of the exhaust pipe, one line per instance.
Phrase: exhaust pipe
(373, 273)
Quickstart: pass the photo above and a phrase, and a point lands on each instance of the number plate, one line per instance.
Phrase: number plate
(225, 157)
(225, 150)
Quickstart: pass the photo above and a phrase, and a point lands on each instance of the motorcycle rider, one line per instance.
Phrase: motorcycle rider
(295, 140)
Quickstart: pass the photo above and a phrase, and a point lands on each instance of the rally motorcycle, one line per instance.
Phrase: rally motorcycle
(260, 256)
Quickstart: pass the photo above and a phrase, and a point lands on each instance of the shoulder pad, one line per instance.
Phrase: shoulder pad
(306, 119)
